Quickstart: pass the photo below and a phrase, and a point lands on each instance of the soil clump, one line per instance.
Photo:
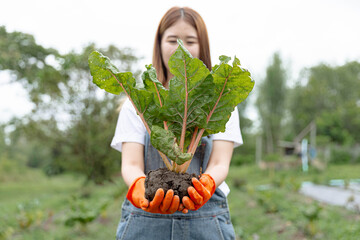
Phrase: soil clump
(166, 179)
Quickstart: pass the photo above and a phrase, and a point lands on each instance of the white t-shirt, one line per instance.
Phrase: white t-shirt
(130, 128)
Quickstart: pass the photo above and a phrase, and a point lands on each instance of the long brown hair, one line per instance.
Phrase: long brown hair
(194, 19)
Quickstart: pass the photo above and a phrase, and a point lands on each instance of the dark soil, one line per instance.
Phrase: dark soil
(166, 179)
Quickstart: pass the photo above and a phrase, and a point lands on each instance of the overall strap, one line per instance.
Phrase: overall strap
(153, 161)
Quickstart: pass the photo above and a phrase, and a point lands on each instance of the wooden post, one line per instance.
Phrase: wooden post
(258, 150)
(313, 135)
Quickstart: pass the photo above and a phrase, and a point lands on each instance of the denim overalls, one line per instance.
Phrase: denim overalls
(211, 221)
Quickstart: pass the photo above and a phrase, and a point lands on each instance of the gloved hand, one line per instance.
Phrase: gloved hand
(182, 208)
(202, 191)
(160, 204)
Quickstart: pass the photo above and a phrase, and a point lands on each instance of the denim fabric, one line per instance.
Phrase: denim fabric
(212, 221)
(200, 160)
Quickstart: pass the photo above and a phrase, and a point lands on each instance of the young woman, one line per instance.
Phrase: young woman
(205, 215)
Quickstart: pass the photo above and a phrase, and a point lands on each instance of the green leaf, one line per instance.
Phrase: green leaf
(224, 59)
(105, 73)
(189, 90)
(232, 86)
(165, 142)
(197, 98)
(106, 76)
(144, 104)
(153, 85)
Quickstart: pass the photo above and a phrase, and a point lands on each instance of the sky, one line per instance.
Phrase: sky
(304, 32)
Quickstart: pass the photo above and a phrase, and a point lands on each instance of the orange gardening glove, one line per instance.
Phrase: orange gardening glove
(182, 208)
(160, 204)
(202, 191)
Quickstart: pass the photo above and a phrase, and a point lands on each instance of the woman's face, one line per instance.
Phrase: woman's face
(187, 33)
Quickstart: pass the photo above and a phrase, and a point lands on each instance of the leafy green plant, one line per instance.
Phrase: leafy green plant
(268, 200)
(198, 102)
(239, 183)
(312, 214)
(279, 180)
(239, 159)
(6, 233)
(293, 184)
(272, 157)
(340, 156)
(83, 212)
(29, 214)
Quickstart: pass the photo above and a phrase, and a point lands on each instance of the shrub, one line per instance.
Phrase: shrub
(83, 212)
(340, 156)
(240, 159)
(29, 214)
(6, 232)
(273, 157)
(269, 201)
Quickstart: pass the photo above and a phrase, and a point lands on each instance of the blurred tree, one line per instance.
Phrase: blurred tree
(73, 122)
(38, 143)
(245, 122)
(245, 153)
(2, 136)
(92, 115)
(331, 95)
(3, 147)
(271, 102)
(31, 65)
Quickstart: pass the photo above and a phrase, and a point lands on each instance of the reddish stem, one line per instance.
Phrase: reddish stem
(164, 158)
(158, 94)
(183, 130)
(185, 166)
(193, 139)
(137, 110)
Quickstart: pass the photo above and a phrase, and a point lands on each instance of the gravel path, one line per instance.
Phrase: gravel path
(348, 197)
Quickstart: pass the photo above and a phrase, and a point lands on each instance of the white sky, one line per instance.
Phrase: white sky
(305, 32)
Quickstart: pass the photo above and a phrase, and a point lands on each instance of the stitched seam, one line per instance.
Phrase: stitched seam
(203, 146)
(172, 229)
(206, 215)
(218, 228)
(126, 227)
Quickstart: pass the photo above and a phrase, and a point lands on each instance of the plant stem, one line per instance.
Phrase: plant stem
(183, 130)
(158, 95)
(177, 168)
(193, 139)
(174, 165)
(164, 158)
(167, 163)
(184, 167)
(137, 110)
(192, 150)
(197, 140)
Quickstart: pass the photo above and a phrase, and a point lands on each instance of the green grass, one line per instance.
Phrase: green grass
(278, 211)
(257, 212)
(47, 203)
